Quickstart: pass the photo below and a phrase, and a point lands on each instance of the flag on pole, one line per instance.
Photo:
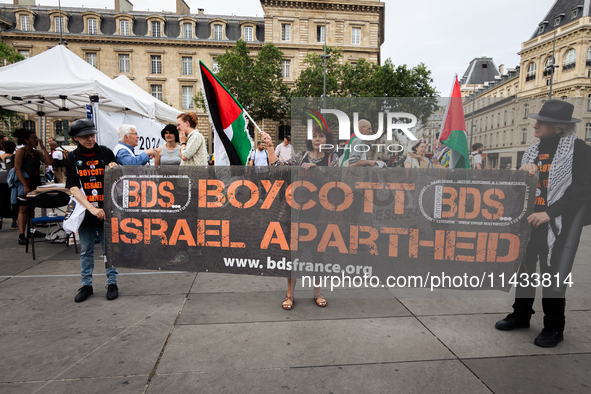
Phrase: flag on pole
(231, 141)
(453, 132)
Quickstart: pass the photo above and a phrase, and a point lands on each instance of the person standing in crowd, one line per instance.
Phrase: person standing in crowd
(416, 155)
(284, 151)
(564, 166)
(356, 157)
(169, 153)
(124, 150)
(58, 165)
(259, 157)
(314, 156)
(90, 156)
(477, 156)
(193, 149)
(3, 139)
(7, 210)
(27, 161)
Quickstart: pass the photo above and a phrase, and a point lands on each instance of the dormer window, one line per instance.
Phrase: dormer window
(59, 22)
(156, 26)
(218, 27)
(558, 19)
(248, 31)
(92, 22)
(124, 24)
(542, 27)
(187, 31)
(187, 27)
(575, 11)
(25, 19)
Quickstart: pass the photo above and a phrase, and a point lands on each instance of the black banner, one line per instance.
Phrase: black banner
(323, 221)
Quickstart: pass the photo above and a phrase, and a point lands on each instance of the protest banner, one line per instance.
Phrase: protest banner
(322, 221)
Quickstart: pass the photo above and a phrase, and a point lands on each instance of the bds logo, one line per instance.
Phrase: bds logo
(154, 193)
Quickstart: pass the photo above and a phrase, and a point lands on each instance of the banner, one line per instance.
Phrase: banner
(324, 221)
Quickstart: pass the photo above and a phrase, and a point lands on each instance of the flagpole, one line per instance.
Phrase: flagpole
(253, 122)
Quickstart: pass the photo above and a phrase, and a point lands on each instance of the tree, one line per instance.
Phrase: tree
(8, 55)
(310, 83)
(257, 83)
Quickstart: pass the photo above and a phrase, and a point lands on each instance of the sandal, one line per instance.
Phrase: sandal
(320, 301)
(287, 303)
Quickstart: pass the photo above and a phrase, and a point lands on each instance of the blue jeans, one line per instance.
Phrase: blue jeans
(87, 255)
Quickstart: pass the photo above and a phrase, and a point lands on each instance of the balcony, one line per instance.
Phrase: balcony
(530, 77)
(568, 66)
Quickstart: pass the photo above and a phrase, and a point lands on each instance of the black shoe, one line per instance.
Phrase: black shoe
(22, 240)
(548, 338)
(83, 293)
(38, 234)
(511, 322)
(112, 292)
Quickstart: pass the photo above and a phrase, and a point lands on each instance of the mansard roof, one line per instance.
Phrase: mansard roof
(480, 70)
(562, 9)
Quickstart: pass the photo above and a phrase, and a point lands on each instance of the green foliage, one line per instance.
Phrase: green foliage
(256, 82)
(9, 54)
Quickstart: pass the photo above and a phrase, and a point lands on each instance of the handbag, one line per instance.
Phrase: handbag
(74, 215)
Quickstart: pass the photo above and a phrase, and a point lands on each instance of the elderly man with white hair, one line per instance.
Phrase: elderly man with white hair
(124, 150)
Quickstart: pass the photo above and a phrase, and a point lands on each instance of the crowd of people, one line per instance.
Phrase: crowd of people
(561, 191)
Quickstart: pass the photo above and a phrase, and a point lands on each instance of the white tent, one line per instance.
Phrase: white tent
(59, 83)
(164, 111)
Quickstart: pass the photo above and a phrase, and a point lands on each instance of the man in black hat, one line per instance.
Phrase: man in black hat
(564, 172)
(85, 175)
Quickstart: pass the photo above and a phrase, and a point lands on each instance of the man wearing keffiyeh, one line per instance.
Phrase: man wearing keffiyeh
(564, 167)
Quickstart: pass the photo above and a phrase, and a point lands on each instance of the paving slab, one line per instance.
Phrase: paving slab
(417, 377)
(20, 388)
(116, 384)
(51, 355)
(207, 308)
(535, 374)
(231, 347)
(472, 336)
(455, 306)
(209, 282)
(31, 313)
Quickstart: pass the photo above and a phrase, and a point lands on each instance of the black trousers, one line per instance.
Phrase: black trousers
(553, 301)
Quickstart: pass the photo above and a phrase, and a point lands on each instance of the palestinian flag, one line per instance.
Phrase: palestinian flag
(453, 132)
(231, 141)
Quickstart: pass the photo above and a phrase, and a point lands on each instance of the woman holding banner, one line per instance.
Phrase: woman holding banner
(169, 153)
(314, 156)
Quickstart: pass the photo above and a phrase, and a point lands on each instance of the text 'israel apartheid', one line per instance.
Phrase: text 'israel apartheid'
(292, 221)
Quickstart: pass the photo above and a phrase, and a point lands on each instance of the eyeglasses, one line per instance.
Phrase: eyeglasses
(132, 134)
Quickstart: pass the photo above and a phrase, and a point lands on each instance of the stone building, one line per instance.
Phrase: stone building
(160, 51)
(556, 62)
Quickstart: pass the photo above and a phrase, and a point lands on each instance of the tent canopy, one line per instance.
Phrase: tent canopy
(59, 83)
(163, 111)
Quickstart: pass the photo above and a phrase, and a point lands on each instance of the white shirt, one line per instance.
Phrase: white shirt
(477, 159)
(284, 153)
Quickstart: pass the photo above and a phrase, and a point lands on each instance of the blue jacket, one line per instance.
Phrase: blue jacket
(125, 158)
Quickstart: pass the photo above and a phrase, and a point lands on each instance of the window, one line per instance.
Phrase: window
(589, 103)
(29, 125)
(248, 30)
(549, 66)
(531, 72)
(157, 91)
(92, 59)
(525, 110)
(25, 23)
(286, 68)
(124, 63)
(187, 97)
(25, 53)
(589, 57)
(557, 20)
(58, 128)
(187, 68)
(59, 24)
(588, 132)
(285, 32)
(569, 60)
(541, 28)
(124, 28)
(218, 32)
(92, 26)
(214, 66)
(156, 64)
(574, 13)
(156, 29)
(320, 34)
(283, 131)
(356, 36)
(187, 31)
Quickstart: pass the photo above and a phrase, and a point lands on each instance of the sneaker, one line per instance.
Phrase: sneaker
(548, 338)
(14, 226)
(112, 292)
(22, 240)
(83, 293)
(38, 234)
(511, 322)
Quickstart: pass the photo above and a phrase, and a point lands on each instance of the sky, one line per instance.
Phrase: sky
(444, 35)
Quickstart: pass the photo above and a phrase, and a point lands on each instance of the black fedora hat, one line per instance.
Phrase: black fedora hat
(172, 129)
(557, 111)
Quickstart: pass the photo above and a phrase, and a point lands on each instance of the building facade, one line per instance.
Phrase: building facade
(160, 51)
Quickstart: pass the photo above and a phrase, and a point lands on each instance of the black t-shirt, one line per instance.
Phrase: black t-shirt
(86, 167)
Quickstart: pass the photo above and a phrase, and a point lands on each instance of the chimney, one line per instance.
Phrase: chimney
(201, 11)
(23, 2)
(123, 6)
(182, 8)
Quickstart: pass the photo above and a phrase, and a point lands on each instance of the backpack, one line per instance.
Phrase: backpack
(59, 236)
